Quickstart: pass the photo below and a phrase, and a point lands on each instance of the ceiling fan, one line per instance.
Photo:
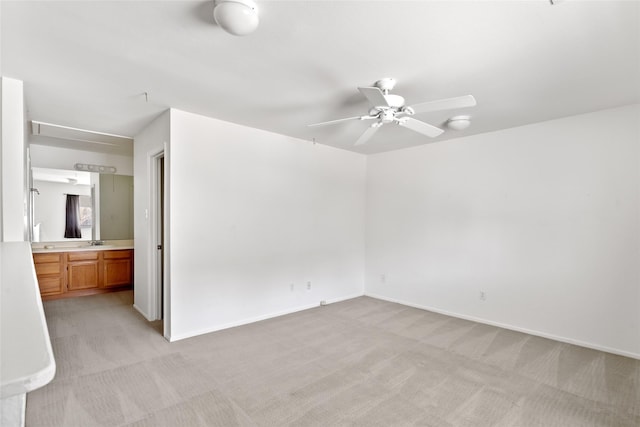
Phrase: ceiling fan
(387, 108)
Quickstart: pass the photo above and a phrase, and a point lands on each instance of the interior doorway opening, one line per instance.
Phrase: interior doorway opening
(158, 247)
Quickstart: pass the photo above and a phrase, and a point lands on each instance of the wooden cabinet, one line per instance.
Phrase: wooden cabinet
(67, 274)
(83, 270)
(118, 268)
(50, 271)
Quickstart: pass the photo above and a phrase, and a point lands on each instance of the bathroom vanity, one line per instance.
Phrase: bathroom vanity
(64, 271)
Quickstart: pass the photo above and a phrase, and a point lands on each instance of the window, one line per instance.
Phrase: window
(86, 211)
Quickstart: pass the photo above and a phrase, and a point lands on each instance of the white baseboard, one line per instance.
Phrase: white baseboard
(142, 313)
(216, 328)
(331, 301)
(511, 327)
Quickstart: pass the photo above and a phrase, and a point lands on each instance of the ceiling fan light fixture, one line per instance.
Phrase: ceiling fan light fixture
(459, 122)
(389, 108)
(237, 17)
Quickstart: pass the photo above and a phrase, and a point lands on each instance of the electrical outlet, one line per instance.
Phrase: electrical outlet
(309, 285)
(483, 296)
(323, 302)
(383, 278)
(292, 287)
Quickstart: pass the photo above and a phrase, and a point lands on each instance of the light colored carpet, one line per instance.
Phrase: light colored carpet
(362, 362)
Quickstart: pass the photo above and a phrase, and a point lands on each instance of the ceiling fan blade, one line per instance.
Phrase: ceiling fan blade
(445, 104)
(374, 95)
(330, 122)
(368, 134)
(420, 127)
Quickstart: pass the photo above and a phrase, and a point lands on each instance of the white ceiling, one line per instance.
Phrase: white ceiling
(88, 64)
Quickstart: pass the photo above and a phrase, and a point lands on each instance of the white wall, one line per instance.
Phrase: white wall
(150, 141)
(543, 218)
(253, 212)
(12, 199)
(46, 156)
(1, 173)
(12, 147)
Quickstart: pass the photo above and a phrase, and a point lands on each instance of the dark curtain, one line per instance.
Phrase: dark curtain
(72, 227)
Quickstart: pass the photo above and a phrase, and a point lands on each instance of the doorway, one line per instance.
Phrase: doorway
(158, 241)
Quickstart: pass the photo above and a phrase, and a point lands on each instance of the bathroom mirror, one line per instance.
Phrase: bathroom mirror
(106, 204)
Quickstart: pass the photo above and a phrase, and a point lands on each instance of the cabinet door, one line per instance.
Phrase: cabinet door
(50, 272)
(49, 269)
(53, 285)
(118, 268)
(82, 256)
(82, 275)
(42, 258)
(117, 272)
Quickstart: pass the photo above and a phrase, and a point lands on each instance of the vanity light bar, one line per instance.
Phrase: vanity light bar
(94, 168)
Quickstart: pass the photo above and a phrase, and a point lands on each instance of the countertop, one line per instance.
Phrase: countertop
(80, 246)
(25, 347)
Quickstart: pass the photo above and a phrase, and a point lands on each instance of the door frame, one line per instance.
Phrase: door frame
(158, 225)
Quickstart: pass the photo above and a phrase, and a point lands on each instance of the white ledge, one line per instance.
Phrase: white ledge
(25, 347)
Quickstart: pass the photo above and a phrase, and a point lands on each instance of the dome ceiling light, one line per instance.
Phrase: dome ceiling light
(237, 17)
(459, 122)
